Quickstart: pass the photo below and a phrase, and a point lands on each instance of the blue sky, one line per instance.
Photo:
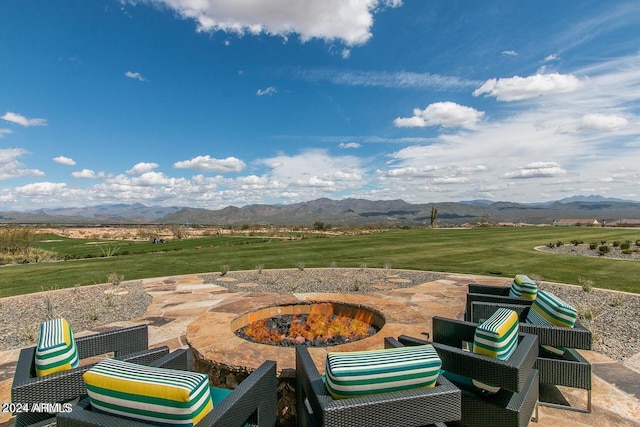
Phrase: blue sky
(214, 103)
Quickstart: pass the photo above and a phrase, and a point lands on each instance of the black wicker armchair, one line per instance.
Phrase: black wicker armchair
(252, 403)
(569, 370)
(515, 403)
(127, 344)
(420, 407)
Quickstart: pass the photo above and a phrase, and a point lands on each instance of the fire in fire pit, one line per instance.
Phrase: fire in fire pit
(315, 324)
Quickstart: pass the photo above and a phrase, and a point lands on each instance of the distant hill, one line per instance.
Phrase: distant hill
(347, 212)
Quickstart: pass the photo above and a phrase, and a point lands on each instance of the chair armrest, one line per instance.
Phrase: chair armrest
(65, 385)
(577, 337)
(476, 288)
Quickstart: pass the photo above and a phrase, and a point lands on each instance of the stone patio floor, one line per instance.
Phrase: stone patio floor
(178, 300)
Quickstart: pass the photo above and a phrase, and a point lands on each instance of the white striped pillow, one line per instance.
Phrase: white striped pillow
(549, 310)
(56, 350)
(496, 337)
(523, 287)
(152, 395)
(359, 373)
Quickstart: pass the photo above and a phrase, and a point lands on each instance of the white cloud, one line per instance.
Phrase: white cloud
(346, 53)
(206, 163)
(316, 171)
(22, 120)
(135, 76)
(4, 132)
(445, 114)
(44, 189)
(142, 167)
(537, 170)
(349, 22)
(602, 122)
(88, 174)
(509, 53)
(398, 79)
(346, 145)
(519, 88)
(10, 167)
(551, 57)
(64, 160)
(268, 91)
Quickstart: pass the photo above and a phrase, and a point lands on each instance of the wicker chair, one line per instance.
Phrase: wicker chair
(252, 403)
(316, 407)
(128, 344)
(569, 370)
(515, 403)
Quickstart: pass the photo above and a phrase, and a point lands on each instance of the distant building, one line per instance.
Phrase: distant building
(573, 222)
(625, 223)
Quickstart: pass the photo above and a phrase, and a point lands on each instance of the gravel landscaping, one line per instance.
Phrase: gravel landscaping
(613, 317)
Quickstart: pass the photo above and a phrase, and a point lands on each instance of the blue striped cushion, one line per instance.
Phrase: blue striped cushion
(549, 310)
(153, 395)
(523, 287)
(359, 373)
(56, 350)
(496, 337)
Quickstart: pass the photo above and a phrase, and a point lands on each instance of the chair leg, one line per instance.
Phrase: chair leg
(586, 410)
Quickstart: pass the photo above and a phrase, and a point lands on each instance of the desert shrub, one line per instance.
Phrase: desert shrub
(586, 284)
(627, 251)
(637, 242)
(616, 243)
(593, 246)
(551, 245)
(115, 279)
(604, 249)
(224, 269)
(577, 242)
(559, 243)
(625, 245)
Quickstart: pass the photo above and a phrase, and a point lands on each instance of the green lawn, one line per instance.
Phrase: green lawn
(502, 251)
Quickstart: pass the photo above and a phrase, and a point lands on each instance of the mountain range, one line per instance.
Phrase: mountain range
(347, 212)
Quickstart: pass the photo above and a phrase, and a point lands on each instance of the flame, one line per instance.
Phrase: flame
(320, 324)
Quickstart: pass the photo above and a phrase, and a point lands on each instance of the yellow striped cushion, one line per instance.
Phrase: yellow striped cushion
(549, 310)
(56, 350)
(496, 337)
(153, 395)
(359, 373)
(523, 287)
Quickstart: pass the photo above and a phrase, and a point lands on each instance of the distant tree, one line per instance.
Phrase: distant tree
(320, 226)
(434, 215)
(16, 240)
(178, 231)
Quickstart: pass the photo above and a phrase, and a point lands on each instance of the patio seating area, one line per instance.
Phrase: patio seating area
(178, 301)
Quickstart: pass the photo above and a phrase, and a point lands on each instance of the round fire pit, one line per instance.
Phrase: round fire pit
(314, 324)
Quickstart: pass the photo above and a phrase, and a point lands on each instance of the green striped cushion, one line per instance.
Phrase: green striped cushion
(549, 310)
(56, 350)
(359, 373)
(523, 287)
(496, 337)
(152, 395)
